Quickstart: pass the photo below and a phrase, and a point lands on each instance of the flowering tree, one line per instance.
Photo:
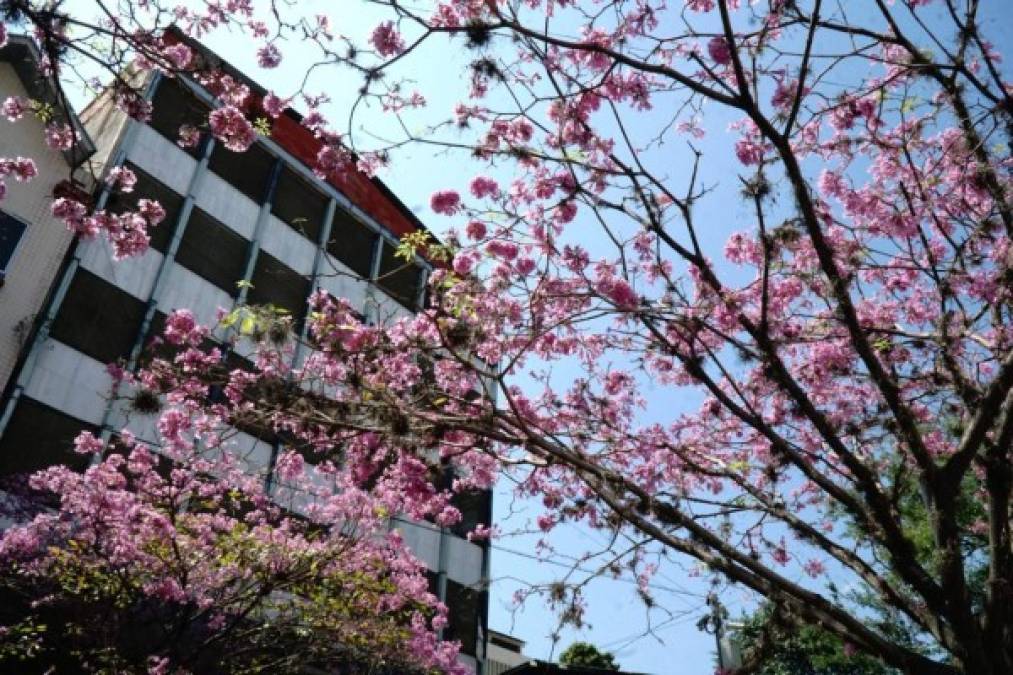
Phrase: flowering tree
(176, 559)
(848, 363)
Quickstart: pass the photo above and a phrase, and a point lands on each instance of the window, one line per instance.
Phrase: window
(149, 188)
(249, 172)
(352, 243)
(11, 232)
(274, 283)
(174, 106)
(463, 609)
(475, 508)
(299, 204)
(213, 251)
(398, 278)
(24, 449)
(98, 319)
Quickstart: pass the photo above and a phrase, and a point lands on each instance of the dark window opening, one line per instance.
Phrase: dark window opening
(475, 508)
(463, 608)
(174, 106)
(299, 204)
(274, 283)
(249, 172)
(38, 436)
(352, 244)
(98, 319)
(149, 188)
(11, 232)
(213, 251)
(398, 278)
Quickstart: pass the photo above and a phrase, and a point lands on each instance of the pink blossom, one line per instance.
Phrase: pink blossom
(780, 553)
(749, 151)
(269, 56)
(814, 568)
(151, 211)
(230, 126)
(719, 51)
(14, 107)
(464, 262)
(386, 39)
(133, 104)
(121, 178)
(290, 465)
(274, 105)
(505, 250)
(179, 55)
(482, 187)
(22, 168)
(475, 230)
(181, 328)
(700, 5)
(445, 202)
(68, 210)
(331, 160)
(189, 136)
(618, 291)
(87, 444)
(59, 136)
(525, 266)
(565, 212)
(128, 234)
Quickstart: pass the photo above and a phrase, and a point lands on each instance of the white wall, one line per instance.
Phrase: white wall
(38, 257)
(161, 158)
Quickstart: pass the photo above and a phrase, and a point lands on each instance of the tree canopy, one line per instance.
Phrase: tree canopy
(586, 654)
(788, 369)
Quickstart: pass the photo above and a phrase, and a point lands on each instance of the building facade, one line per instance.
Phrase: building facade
(251, 228)
(503, 652)
(32, 242)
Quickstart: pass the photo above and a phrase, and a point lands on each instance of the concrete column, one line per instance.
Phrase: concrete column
(164, 272)
(420, 297)
(371, 308)
(318, 262)
(258, 232)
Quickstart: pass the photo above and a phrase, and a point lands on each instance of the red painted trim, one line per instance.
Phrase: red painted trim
(300, 142)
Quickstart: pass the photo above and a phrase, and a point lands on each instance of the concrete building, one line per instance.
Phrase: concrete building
(261, 217)
(503, 652)
(32, 242)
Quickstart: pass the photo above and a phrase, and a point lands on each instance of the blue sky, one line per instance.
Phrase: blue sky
(616, 617)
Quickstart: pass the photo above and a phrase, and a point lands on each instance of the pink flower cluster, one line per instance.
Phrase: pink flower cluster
(483, 186)
(22, 168)
(14, 108)
(386, 39)
(230, 126)
(59, 136)
(719, 51)
(122, 179)
(269, 56)
(445, 202)
(127, 232)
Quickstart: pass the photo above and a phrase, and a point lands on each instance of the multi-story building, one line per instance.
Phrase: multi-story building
(503, 652)
(32, 242)
(258, 228)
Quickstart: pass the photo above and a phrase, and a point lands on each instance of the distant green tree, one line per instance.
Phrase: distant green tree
(775, 642)
(589, 656)
(773, 646)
